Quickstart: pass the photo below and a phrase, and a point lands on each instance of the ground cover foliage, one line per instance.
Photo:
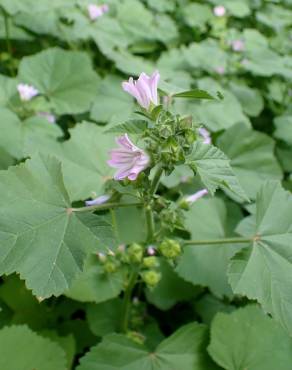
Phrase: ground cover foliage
(95, 287)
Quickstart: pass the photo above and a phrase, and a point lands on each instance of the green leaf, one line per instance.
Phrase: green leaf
(251, 100)
(112, 104)
(66, 78)
(170, 289)
(264, 271)
(284, 128)
(41, 238)
(26, 308)
(194, 94)
(33, 351)
(7, 89)
(208, 219)
(104, 318)
(248, 339)
(84, 158)
(184, 349)
(93, 285)
(214, 169)
(251, 156)
(197, 15)
(208, 306)
(198, 55)
(132, 127)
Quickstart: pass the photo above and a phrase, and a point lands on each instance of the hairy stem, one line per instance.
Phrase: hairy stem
(218, 241)
(127, 301)
(101, 207)
(155, 181)
(150, 224)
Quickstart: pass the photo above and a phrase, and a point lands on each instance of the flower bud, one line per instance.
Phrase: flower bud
(151, 277)
(135, 252)
(150, 262)
(170, 248)
(102, 257)
(110, 267)
(136, 337)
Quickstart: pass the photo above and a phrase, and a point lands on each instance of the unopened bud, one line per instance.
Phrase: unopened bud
(150, 262)
(110, 267)
(135, 252)
(170, 248)
(101, 257)
(151, 277)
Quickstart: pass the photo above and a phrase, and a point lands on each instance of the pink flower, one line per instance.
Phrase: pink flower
(220, 70)
(99, 200)
(128, 159)
(48, 116)
(97, 11)
(26, 92)
(219, 11)
(151, 251)
(144, 90)
(205, 135)
(196, 196)
(237, 45)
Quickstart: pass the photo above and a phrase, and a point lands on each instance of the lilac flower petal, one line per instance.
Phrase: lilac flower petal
(205, 135)
(144, 90)
(129, 160)
(196, 196)
(26, 92)
(99, 200)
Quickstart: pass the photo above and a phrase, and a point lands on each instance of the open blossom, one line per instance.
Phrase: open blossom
(205, 134)
(196, 196)
(237, 45)
(26, 92)
(219, 11)
(144, 90)
(96, 11)
(99, 200)
(128, 159)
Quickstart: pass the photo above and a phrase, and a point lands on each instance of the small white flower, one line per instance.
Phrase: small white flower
(26, 92)
(97, 11)
(219, 11)
(51, 118)
(237, 45)
(220, 70)
(151, 251)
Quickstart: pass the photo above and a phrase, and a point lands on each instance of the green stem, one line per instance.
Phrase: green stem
(101, 207)
(218, 241)
(150, 224)
(8, 41)
(148, 210)
(7, 32)
(155, 181)
(127, 301)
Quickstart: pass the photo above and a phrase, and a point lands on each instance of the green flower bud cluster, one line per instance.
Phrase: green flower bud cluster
(170, 140)
(170, 248)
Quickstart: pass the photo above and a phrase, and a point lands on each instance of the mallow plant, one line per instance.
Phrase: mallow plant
(60, 246)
